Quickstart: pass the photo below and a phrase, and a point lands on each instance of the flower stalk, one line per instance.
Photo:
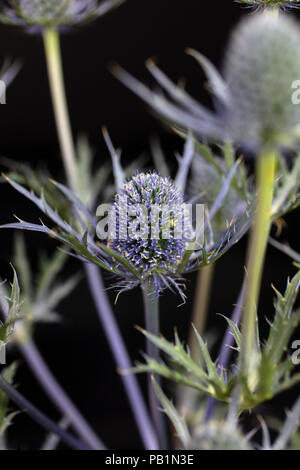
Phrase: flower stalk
(186, 397)
(151, 309)
(265, 171)
(56, 81)
(201, 305)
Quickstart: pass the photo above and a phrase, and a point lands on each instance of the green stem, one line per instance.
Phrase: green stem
(56, 80)
(151, 309)
(202, 296)
(274, 10)
(265, 171)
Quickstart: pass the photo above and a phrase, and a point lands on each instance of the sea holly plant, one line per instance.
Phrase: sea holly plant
(56, 20)
(50, 18)
(154, 262)
(141, 257)
(128, 268)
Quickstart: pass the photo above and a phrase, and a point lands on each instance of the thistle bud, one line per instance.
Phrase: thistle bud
(261, 66)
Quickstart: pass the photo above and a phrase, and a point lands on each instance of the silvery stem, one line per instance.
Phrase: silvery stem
(55, 392)
(151, 311)
(121, 356)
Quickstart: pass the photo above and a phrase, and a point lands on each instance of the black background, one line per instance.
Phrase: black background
(76, 349)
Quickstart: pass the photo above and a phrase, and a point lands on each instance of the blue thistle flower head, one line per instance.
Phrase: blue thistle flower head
(39, 14)
(151, 210)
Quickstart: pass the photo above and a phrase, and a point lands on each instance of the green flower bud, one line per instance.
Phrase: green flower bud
(261, 66)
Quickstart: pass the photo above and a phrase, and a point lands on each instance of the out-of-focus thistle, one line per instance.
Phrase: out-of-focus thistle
(254, 99)
(271, 4)
(53, 13)
(260, 80)
(218, 435)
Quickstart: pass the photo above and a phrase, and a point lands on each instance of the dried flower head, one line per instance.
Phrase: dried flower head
(255, 106)
(53, 13)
